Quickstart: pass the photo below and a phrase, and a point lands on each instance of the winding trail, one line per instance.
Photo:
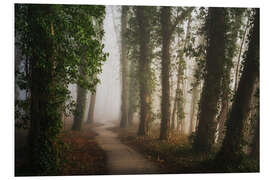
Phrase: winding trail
(121, 158)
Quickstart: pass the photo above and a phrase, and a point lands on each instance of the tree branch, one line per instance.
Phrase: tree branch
(180, 18)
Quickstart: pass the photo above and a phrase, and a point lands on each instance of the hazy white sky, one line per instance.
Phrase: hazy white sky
(109, 91)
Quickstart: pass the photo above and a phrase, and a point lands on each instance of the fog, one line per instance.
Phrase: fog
(108, 92)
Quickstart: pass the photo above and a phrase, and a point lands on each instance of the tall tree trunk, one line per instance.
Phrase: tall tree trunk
(211, 90)
(116, 29)
(231, 150)
(239, 57)
(124, 69)
(223, 115)
(40, 95)
(230, 51)
(91, 110)
(180, 72)
(81, 100)
(197, 83)
(132, 95)
(90, 118)
(165, 70)
(195, 95)
(80, 106)
(175, 104)
(144, 68)
(182, 103)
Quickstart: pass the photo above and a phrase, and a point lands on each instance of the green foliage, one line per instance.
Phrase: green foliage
(56, 40)
(197, 49)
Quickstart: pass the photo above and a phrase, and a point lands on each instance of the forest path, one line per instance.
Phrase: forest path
(122, 159)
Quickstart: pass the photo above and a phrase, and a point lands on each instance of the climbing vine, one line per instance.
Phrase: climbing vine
(55, 40)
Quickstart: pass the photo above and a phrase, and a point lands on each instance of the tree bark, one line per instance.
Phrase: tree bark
(132, 95)
(144, 68)
(80, 106)
(230, 51)
(81, 100)
(195, 94)
(239, 57)
(175, 105)
(165, 70)
(211, 90)
(124, 69)
(90, 118)
(231, 150)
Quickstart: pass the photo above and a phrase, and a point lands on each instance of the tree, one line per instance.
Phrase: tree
(178, 100)
(143, 21)
(239, 56)
(51, 38)
(81, 100)
(133, 92)
(91, 50)
(231, 151)
(122, 45)
(90, 118)
(196, 50)
(124, 69)
(166, 40)
(167, 29)
(233, 26)
(132, 43)
(214, 69)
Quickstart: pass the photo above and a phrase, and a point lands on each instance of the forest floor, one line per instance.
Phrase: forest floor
(84, 156)
(175, 155)
(108, 149)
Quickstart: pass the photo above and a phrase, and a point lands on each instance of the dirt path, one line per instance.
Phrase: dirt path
(121, 158)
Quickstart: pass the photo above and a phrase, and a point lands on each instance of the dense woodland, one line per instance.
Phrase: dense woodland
(189, 82)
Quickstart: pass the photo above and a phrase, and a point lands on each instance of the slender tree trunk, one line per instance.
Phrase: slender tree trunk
(222, 117)
(165, 70)
(116, 30)
(195, 94)
(175, 105)
(211, 90)
(81, 100)
(80, 106)
(132, 95)
(144, 68)
(239, 57)
(90, 118)
(179, 74)
(198, 110)
(124, 69)
(231, 150)
(182, 103)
